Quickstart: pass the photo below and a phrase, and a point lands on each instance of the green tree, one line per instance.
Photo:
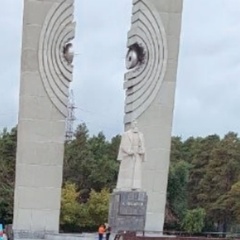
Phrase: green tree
(221, 174)
(193, 221)
(90, 162)
(177, 188)
(190, 148)
(78, 162)
(98, 205)
(69, 205)
(176, 150)
(200, 159)
(74, 215)
(105, 165)
(232, 201)
(8, 143)
(98, 145)
(204, 172)
(113, 147)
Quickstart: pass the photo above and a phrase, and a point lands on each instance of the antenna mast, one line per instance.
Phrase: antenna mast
(71, 117)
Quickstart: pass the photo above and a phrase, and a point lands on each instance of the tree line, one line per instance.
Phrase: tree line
(203, 186)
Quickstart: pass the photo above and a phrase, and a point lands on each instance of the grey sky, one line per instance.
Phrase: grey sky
(208, 84)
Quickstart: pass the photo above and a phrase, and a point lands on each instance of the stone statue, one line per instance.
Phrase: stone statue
(131, 155)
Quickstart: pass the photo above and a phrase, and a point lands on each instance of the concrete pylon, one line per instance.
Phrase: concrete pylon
(152, 59)
(46, 72)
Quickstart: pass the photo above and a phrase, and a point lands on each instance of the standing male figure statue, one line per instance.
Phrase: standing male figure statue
(131, 155)
(128, 203)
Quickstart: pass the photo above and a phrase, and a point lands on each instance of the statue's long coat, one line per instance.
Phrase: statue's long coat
(130, 172)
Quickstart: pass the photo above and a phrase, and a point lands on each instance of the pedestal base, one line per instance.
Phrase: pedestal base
(24, 234)
(127, 211)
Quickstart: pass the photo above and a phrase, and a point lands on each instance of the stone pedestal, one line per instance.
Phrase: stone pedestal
(127, 211)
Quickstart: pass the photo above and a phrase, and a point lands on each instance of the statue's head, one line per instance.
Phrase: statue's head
(134, 126)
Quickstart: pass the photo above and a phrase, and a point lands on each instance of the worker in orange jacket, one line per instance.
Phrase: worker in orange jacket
(101, 231)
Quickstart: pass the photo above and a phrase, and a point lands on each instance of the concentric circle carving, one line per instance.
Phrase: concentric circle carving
(55, 69)
(143, 82)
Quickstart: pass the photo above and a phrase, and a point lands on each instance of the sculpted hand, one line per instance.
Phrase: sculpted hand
(131, 152)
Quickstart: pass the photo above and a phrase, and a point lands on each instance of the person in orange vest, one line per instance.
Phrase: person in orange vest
(101, 231)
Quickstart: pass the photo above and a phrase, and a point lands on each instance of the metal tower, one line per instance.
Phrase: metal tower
(71, 117)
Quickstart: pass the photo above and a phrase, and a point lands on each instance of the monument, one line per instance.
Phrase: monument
(128, 202)
(131, 155)
(46, 72)
(152, 59)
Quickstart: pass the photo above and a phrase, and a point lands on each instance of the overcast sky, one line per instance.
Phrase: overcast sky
(208, 83)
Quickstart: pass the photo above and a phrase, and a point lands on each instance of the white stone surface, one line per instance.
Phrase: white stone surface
(42, 113)
(154, 109)
(131, 156)
(85, 236)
